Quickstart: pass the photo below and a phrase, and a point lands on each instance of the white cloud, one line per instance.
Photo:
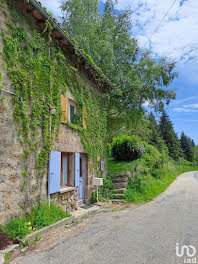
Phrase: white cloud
(191, 106)
(177, 35)
(184, 110)
(183, 100)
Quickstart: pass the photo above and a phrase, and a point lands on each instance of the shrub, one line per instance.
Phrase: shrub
(152, 157)
(17, 227)
(43, 215)
(104, 192)
(127, 148)
(107, 188)
(40, 216)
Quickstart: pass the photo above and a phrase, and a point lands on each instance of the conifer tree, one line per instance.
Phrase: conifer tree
(187, 145)
(154, 135)
(169, 136)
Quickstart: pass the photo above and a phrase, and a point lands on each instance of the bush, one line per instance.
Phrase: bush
(127, 148)
(40, 216)
(152, 157)
(107, 188)
(17, 227)
(43, 215)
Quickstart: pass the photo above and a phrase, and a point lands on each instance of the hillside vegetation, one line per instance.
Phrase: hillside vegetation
(148, 148)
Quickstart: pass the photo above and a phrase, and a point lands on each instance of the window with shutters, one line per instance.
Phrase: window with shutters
(72, 112)
(67, 170)
(69, 113)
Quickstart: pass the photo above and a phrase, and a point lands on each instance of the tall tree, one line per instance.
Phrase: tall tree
(107, 38)
(187, 145)
(154, 135)
(169, 136)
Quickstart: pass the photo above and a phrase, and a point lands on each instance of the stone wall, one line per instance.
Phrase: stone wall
(13, 194)
(68, 141)
(67, 200)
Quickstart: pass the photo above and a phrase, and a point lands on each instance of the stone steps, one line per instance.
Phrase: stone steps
(121, 190)
(116, 201)
(119, 178)
(118, 196)
(120, 185)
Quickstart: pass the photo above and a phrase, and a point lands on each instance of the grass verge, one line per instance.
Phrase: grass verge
(146, 183)
(40, 216)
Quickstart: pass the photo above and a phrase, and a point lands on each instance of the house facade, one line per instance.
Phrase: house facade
(52, 113)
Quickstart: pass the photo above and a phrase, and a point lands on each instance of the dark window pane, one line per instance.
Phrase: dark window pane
(72, 116)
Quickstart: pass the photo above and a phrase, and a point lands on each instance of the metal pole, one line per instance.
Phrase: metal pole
(97, 194)
(50, 118)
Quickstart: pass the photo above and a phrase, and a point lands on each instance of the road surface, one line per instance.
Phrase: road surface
(147, 234)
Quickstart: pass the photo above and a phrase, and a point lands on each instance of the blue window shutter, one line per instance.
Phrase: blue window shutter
(54, 173)
(77, 168)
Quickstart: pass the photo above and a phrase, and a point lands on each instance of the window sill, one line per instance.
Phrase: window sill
(67, 189)
(75, 126)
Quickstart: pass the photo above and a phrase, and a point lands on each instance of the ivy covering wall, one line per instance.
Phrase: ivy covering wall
(40, 73)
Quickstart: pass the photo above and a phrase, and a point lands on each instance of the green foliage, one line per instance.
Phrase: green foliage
(152, 158)
(170, 137)
(116, 167)
(94, 137)
(127, 148)
(187, 147)
(40, 73)
(107, 189)
(154, 136)
(107, 38)
(43, 215)
(18, 227)
(104, 192)
(195, 155)
(145, 187)
(7, 257)
(40, 215)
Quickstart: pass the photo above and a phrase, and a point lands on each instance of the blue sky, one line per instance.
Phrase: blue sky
(176, 38)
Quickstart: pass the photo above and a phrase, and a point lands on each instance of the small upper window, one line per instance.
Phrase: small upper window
(72, 113)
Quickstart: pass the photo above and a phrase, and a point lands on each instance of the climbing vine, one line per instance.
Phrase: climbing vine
(40, 73)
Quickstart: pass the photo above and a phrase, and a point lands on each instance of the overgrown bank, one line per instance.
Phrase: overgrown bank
(144, 186)
(151, 171)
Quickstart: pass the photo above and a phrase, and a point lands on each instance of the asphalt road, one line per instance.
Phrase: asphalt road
(147, 234)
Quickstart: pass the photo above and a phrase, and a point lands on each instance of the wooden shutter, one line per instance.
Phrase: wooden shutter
(84, 117)
(64, 108)
(54, 173)
(77, 169)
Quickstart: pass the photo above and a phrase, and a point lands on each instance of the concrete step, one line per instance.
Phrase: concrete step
(117, 201)
(120, 185)
(119, 180)
(118, 196)
(121, 190)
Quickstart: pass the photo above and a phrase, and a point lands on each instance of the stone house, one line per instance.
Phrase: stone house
(67, 177)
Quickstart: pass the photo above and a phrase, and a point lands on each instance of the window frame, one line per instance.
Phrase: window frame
(65, 154)
(75, 110)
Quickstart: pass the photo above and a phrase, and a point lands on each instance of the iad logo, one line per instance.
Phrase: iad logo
(188, 252)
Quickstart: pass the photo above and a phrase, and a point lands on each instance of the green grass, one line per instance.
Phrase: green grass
(40, 216)
(119, 167)
(147, 184)
(7, 257)
(86, 216)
